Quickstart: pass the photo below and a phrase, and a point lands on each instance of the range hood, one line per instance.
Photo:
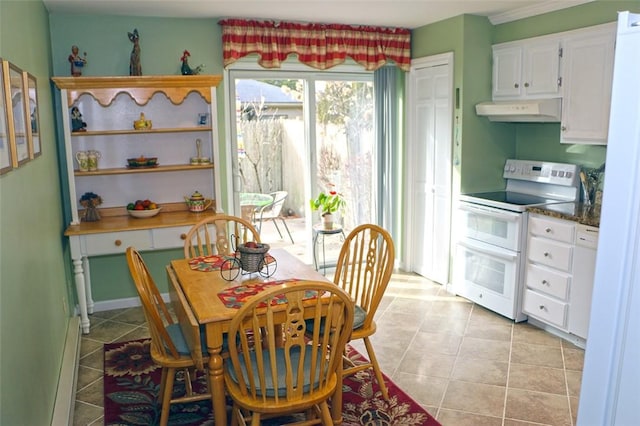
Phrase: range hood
(529, 111)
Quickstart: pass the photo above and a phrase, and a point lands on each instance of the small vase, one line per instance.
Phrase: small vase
(327, 220)
(91, 214)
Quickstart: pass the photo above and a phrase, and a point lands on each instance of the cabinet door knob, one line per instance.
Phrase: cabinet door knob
(183, 236)
(547, 230)
(118, 243)
(546, 254)
(541, 307)
(480, 295)
(526, 85)
(516, 85)
(545, 282)
(563, 128)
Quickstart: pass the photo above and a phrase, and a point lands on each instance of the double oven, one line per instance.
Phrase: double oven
(491, 228)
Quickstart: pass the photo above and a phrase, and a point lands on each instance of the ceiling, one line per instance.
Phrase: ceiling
(388, 13)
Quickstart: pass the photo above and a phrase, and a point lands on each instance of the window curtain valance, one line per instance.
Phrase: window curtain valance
(320, 46)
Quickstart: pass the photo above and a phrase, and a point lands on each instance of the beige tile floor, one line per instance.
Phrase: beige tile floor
(463, 363)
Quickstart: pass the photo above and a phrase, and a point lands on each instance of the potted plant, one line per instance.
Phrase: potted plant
(328, 204)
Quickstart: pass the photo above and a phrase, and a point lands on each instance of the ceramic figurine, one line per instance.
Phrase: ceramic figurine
(135, 68)
(77, 62)
(186, 69)
(77, 125)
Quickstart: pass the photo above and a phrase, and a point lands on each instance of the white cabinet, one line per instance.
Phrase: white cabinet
(587, 77)
(182, 114)
(559, 273)
(584, 265)
(526, 69)
(548, 271)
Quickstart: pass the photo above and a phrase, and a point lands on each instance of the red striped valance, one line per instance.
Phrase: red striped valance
(320, 46)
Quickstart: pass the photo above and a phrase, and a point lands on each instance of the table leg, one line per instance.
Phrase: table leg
(78, 273)
(216, 378)
(87, 282)
(315, 241)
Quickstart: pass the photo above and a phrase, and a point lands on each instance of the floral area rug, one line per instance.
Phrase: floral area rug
(132, 379)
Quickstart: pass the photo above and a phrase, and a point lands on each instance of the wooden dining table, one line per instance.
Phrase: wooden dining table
(201, 301)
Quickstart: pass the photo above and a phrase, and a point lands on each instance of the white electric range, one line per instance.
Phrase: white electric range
(491, 242)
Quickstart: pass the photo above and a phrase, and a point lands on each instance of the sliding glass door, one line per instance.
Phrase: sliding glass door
(303, 132)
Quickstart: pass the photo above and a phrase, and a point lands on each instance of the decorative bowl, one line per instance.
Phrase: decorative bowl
(142, 162)
(144, 213)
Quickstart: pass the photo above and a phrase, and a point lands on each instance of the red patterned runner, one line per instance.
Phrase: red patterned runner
(234, 297)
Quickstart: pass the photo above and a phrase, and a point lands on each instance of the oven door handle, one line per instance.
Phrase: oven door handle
(490, 250)
(490, 211)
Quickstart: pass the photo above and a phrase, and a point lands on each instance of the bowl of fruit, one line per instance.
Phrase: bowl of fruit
(143, 208)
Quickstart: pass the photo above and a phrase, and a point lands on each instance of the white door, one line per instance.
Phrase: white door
(429, 159)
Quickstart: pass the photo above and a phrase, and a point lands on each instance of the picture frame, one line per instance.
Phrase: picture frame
(32, 114)
(16, 114)
(6, 160)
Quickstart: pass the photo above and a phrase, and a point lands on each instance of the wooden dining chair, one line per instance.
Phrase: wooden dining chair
(274, 367)
(169, 340)
(219, 234)
(364, 268)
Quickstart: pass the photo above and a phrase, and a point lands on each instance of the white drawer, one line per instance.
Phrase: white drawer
(550, 253)
(551, 282)
(169, 237)
(559, 230)
(115, 242)
(545, 308)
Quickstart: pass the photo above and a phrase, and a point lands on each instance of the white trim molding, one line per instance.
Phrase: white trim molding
(534, 10)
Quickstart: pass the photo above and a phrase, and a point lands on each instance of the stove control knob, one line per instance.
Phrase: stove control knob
(568, 175)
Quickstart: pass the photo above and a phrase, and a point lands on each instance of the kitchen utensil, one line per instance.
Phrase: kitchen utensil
(83, 161)
(585, 188)
(197, 202)
(144, 213)
(92, 159)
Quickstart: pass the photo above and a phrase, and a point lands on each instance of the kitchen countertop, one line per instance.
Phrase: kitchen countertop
(576, 212)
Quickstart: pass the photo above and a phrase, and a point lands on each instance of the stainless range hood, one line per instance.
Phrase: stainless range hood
(529, 111)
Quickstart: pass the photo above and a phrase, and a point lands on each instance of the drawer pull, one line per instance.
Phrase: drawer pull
(542, 308)
(118, 243)
(480, 295)
(547, 230)
(546, 254)
(545, 282)
(183, 236)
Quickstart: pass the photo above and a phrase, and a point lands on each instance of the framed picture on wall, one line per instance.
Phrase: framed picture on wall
(16, 114)
(31, 113)
(6, 163)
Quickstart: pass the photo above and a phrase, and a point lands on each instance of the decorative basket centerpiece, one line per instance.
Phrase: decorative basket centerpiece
(252, 256)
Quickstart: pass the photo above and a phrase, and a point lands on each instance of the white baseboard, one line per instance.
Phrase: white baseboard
(66, 393)
(129, 302)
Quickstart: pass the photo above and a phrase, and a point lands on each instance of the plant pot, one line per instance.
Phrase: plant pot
(327, 220)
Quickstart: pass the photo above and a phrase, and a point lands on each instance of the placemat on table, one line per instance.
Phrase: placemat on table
(234, 297)
(219, 262)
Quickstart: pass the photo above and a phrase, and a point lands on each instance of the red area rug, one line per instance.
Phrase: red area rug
(131, 383)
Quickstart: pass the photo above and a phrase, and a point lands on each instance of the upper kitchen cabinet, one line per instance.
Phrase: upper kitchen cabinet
(527, 69)
(587, 78)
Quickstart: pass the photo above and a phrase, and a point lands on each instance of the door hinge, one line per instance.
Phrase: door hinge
(560, 52)
(559, 81)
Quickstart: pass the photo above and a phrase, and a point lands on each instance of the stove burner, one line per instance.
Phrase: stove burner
(515, 198)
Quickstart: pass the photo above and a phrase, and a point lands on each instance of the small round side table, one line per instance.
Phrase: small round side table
(318, 230)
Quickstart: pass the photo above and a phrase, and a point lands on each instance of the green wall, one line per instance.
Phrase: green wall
(34, 287)
(162, 41)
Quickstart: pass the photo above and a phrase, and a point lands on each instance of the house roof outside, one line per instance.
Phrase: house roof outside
(254, 91)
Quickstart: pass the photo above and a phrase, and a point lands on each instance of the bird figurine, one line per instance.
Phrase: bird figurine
(186, 69)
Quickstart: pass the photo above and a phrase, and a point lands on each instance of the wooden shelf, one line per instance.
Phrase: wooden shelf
(159, 169)
(134, 132)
